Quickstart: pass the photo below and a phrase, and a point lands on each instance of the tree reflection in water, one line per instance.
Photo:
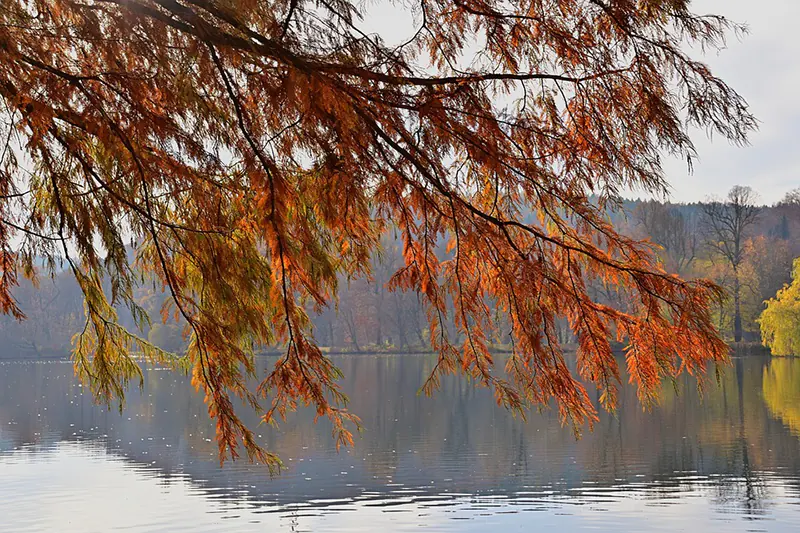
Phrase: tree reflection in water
(737, 444)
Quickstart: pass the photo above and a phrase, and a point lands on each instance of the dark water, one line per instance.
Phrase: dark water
(454, 462)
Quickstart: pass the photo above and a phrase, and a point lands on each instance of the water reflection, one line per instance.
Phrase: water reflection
(781, 389)
(729, 460)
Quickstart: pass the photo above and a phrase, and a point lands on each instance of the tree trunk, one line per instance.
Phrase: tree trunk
(379, 329)
(351, 326)
(378, 315)
(417, 328)
(401, 325)
(737, 311)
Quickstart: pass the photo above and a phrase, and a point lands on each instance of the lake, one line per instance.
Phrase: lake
(729, 461)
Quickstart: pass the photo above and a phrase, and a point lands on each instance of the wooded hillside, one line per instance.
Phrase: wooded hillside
(370, 316)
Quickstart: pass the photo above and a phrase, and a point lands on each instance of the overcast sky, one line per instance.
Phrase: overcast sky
(764, 66)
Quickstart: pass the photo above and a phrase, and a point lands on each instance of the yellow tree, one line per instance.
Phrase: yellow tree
(253, 150)
(780, 321)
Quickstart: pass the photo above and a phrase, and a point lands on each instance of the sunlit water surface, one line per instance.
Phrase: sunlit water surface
(454, 462)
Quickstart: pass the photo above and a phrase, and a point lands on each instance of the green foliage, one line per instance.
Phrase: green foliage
(780, 321)
(104, 353)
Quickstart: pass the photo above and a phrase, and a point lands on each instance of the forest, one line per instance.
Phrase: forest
(745, 247)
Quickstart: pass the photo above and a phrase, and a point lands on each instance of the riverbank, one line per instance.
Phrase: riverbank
(737, 350)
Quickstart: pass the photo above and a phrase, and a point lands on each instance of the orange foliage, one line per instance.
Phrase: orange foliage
(254, 150)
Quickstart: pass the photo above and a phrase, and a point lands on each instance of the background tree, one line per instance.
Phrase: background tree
(770, 260)
(672, 230)
(780, 321)
(787, 223)
(726, 223)
(255, 151)
(54, 314)
(791, 198)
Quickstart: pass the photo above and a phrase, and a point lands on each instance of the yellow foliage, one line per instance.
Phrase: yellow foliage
(780, 321)
(781, 389)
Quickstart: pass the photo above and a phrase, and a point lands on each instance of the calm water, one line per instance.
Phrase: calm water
(454, 462)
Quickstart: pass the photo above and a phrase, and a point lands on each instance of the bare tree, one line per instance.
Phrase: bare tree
(791, 198)
(789, 207)
(725, 224)
(669, 228)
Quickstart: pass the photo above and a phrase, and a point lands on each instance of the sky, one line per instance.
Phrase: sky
(763, 66)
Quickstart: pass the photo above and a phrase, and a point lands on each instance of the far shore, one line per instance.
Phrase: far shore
(741, 350)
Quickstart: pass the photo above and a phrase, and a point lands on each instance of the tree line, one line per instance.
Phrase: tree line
(744, 247)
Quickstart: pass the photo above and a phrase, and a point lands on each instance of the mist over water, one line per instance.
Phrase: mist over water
(729, 461)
